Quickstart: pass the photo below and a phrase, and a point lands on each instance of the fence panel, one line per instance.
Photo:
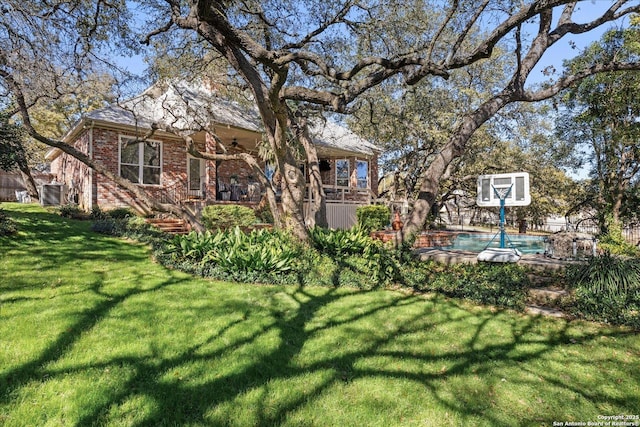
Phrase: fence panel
(339, 215)
(10, 182)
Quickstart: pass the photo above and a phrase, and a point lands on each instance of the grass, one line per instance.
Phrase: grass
(95, 333)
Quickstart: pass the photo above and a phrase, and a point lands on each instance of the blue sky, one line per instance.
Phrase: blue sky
(566, 48)
(570, 46)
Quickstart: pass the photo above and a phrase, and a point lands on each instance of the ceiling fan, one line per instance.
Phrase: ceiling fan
(236, 145)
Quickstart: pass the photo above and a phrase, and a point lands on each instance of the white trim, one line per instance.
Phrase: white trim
(203, 173)
(121, 139)
(348, 172)
(368, 185)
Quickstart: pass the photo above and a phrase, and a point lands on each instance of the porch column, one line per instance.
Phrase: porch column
(210, 170)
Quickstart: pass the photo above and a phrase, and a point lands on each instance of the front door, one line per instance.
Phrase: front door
(195, 177)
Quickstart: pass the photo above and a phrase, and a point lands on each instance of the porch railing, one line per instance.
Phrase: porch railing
(345, 195)
(178, 193)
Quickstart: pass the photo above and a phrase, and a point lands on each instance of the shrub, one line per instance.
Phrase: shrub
(503, 285)
(373, 217)
(236, 255)
(193, 246)
(341, 242)
(72, 211)
(338, 258)
(607, 289)
(612, 241)
(224, 217)
(133, 227)
(109, 226)
(263, 213)
(259, 251)
(121, 213)
(382, 265)
(7, 225)
(98, 214)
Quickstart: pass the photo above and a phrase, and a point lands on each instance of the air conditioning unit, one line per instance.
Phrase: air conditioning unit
(51, 194)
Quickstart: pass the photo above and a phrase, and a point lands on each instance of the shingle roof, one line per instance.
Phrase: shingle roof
(330, 135)
(188, 108)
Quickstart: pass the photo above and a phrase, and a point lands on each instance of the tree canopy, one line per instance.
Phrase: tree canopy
(11, 150)
(600, 119)
(298, 57)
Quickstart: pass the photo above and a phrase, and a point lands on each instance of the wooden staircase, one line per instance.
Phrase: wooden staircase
(170, 225)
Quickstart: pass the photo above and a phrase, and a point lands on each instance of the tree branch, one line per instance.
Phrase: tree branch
(565, 82)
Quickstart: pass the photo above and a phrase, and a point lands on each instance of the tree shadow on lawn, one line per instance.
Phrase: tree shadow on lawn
(464, 378)
(264, 355)
(55, 244)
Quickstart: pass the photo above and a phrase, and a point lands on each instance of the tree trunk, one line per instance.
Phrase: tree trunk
(317, 215)
(292, 184)
(292, 197)
(453, 149)
(28, 180)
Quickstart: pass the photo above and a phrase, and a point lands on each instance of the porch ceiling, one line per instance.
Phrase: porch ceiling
(246, 140)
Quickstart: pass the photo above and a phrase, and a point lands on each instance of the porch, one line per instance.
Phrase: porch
(341, 202)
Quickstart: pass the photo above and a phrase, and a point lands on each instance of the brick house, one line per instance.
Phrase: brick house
(165, 171)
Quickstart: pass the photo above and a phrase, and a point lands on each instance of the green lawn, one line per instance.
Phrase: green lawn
(93, 332)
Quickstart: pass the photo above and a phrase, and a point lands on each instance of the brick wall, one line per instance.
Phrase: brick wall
(75, 175)
(95, 190)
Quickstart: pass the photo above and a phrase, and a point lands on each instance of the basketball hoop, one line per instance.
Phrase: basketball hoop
(511, 189)
(502, 193)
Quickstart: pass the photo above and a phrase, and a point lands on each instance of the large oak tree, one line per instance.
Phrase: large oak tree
(299, 56)
(327, 59)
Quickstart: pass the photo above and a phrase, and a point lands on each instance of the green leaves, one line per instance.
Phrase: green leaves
(373, 217)
(234, 251)
(224, 217)
(608, 274)
(260, 251)
(381, 263)
(607, 289)
(341, 242)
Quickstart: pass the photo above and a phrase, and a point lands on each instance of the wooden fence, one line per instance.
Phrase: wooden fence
(11, 182)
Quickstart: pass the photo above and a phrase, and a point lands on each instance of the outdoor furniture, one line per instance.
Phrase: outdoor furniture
(253, 192)
(22, 196)
(236, 191)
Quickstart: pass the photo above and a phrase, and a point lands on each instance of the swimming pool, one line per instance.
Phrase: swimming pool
(477, 242)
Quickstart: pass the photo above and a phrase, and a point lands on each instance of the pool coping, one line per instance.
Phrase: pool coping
(455, 256)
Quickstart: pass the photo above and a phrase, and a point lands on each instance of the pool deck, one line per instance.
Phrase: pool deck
(449, 256)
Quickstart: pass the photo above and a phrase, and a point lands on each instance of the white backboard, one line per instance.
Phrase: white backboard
(518, 182)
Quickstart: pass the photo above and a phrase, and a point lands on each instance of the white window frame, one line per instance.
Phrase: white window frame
(202, 176)
(141, 165)
(367, 180)
(348, 177)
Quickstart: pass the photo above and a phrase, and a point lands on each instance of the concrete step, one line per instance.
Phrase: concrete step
(545, 301)
(535, 310)
(546, 296)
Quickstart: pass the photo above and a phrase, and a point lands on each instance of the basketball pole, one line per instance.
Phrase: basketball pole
(502, 197)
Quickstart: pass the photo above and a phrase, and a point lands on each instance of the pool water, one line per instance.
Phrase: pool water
(474, 242)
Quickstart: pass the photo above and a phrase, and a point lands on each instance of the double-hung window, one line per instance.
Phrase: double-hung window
(140, 161)
(362, 173)
(342, 172)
